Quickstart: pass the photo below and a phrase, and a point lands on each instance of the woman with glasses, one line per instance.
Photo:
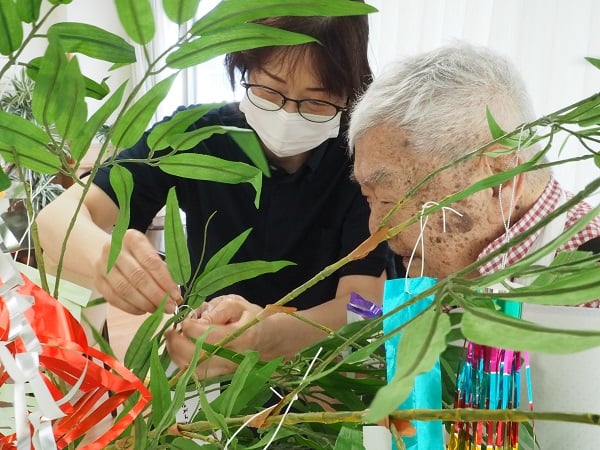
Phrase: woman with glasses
(296, 99)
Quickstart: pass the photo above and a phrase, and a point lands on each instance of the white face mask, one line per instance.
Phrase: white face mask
(287, 134)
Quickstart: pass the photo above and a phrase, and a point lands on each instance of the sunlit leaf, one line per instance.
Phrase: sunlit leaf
(137, 19)
(72, 101)
(81, 142)
(29, 10)
(46, 101)
(210, 168)
(225, 276)
(225, 253)
(176, 249)
(121, 181)
(180, 11)
(496, 329)
(159, 136)
(421, 343)
(234, 12)
(240, 37)
(92, 41)
(129, 128)
(159, 385)
(11, 30)
(249, 143)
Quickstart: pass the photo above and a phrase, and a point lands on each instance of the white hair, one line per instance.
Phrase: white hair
(439, 100)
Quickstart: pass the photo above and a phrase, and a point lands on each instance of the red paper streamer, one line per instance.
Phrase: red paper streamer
(107, 384)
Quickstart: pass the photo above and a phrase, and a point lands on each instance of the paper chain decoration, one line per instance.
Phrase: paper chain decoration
(43, 347)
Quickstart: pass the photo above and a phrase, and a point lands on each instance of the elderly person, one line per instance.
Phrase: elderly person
(429, 110)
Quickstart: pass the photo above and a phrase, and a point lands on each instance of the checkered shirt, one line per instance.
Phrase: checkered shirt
(547, 203)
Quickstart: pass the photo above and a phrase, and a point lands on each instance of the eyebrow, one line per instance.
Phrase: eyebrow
(380, 177)
(282, 81)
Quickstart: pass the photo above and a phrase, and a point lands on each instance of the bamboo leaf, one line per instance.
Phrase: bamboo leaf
(189, 139)
(138, 354)
(421, 343)
(20, 133)
(60, 2)
(225, 276)
(137, 19)
(159, 136)
(495, 129)
(46, 100)
(488, 327)
(349, 439)
(238, 382)
(4, 181)
(249, 143)
(211, 415)
(38, 161)
(128, 130)
(121, 181)
(29, 10)
(159, 386)
(225, 253)
(593, 61)
(82, 141)
(240, 37)
(210, 168)
(11, 30)
(92, 41)
(180, 11)
(234, 12)
(181, 443)
(72, 101)
(177, 253)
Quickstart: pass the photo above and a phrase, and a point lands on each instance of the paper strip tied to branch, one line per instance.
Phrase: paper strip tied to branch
(43, 347)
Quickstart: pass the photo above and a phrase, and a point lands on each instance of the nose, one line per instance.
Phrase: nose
(290, 106)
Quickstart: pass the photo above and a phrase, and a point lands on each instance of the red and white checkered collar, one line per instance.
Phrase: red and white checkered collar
(548, 202)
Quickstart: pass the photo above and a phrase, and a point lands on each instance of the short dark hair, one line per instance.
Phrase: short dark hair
(340, 57)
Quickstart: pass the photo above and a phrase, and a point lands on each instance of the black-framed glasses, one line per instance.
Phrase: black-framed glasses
(311, 109)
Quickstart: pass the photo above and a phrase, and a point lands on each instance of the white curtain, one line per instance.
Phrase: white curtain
(546, 39)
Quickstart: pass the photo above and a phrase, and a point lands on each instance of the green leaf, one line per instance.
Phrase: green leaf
(225, 276)
(176, 249)
(181, 443)
(421, 343)
(159, 386)
(238, 382)
(129, 128)
(249, 143)
(11, 30)
(138, 354)
(237, 38)
(72, 101)
(349, 439)
(140, 433)
(597, 159)
(234, 12)
(92, 41)
(496, 329)
(211, 415)
(225, 253)
(189, 139)
(20, 133)
(159, 136)
(4, 181)
(574, 115)
(593, 61)
(211, 168)
(180, 11)
(137, 19)
(42, 162)
(81, 142)
(495, 129)
(29, 10)
(60, 2)
(121, 181)
(46, 102)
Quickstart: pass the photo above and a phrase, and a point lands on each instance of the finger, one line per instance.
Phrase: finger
(225, 309)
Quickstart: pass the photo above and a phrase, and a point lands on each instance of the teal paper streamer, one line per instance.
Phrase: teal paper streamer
(427, 390)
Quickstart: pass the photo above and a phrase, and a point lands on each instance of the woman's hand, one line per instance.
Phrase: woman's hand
(139, 280)
(219, 318)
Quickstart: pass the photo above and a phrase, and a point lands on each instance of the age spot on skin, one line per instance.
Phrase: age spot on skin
(457, 224)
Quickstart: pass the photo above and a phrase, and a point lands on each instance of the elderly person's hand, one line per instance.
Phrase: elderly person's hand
(139, 280)
(220, 317)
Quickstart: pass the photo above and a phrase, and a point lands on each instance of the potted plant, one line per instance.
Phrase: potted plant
(237, 416)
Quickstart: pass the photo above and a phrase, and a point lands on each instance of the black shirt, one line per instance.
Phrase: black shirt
(312, 217)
